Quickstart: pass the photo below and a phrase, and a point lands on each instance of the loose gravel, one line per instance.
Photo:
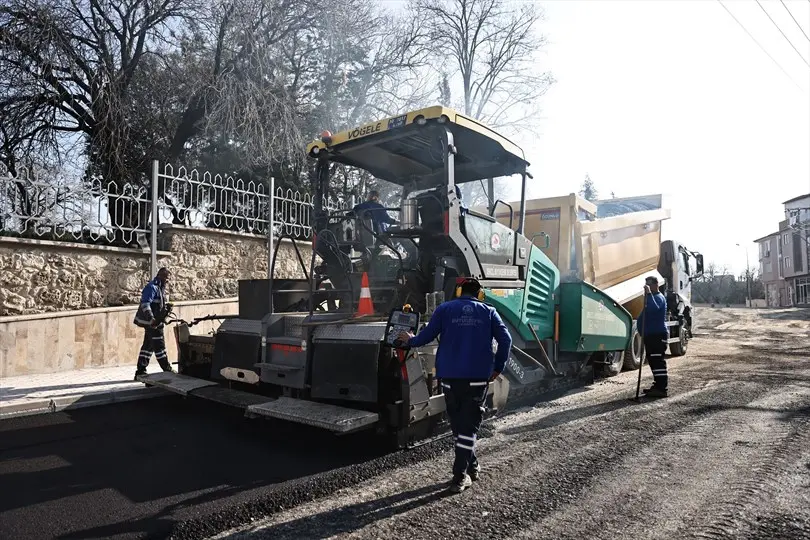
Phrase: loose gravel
(726, 456)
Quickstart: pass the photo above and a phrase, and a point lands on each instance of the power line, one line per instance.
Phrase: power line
(794, 19)
(783, 34)
(760, 45)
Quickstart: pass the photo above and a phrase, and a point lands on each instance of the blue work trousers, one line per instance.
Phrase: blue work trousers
(465, 401)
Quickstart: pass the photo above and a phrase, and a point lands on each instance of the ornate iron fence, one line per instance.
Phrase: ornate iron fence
(218, 201)
(39, 204)
(42, 205)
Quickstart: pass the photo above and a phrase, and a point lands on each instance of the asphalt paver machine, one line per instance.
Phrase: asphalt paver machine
(297, 351)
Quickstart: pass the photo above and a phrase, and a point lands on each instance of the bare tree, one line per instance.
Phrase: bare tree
(232, 59)
(714, 285)
(490, 47)
(357, 63)
(487, 50)
(66, 70)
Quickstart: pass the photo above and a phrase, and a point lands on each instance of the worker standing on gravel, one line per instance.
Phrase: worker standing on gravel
(150, 316)
(653, 322)
(465, 365)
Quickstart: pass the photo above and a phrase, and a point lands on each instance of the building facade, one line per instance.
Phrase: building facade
(769, 270)
(797, 266)
(784, 257)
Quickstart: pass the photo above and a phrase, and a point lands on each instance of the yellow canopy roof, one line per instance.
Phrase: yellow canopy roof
(407, 148)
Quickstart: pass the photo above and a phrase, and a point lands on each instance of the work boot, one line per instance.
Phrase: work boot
(474, 472)
(139, 372)
(656, 392)
(460, 483)
(167, 368)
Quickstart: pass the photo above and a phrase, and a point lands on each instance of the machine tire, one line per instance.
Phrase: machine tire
(632, 356)
(614, 367)
(679, 348)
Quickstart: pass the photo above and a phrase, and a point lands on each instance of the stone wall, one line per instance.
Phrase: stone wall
(208, 263)
(38, 276)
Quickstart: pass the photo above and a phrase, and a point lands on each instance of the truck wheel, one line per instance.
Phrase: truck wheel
(632, 356)
(612, 365)
(679, 348)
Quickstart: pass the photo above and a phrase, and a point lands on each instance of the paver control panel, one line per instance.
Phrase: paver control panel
(400, 320)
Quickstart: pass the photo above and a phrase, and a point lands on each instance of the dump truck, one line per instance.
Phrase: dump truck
(298, 350)
(614, 244)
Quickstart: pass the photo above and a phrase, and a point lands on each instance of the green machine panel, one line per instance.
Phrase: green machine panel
(591, 321)
(535, 304)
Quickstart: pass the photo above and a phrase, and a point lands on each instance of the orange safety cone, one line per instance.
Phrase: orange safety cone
(366, 306)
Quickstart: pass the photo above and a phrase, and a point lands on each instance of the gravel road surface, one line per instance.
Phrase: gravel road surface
(727, 455)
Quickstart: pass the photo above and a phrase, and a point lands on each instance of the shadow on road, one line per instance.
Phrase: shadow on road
(135, 469)
(572, 415)
(351, 518)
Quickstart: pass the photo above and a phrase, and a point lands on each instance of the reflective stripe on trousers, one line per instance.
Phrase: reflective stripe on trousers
(153, 342)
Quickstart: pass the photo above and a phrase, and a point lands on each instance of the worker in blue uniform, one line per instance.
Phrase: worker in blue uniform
(372, 208)
(150, 316)
(653, 323)
(465, 365)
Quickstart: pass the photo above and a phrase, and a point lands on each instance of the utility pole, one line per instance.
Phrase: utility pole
(747, 276)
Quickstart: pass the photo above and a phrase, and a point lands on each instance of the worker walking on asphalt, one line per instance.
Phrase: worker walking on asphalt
(150, 316)
(653, 322)
(465, 364)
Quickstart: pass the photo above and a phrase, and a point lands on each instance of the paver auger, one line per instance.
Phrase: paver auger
(298, 352)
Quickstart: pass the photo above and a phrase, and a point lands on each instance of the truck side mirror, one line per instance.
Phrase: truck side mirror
(547, 237)
(699, 264)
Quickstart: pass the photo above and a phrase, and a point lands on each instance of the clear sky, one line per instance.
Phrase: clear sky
(672, 97)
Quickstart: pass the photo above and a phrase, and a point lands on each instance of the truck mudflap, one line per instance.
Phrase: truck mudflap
(340, 420)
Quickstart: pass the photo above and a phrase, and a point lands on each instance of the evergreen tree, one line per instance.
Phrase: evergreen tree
(589, 191)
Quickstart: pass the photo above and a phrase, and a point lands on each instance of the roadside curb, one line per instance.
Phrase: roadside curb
(63, 403)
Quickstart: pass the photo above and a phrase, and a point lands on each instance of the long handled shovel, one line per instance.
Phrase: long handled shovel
(643, 349)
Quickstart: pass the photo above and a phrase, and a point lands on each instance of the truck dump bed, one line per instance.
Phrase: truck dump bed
(612, 252)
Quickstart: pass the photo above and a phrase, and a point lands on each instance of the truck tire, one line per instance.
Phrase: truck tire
(679, 348)
(612, 366)
(632, 356)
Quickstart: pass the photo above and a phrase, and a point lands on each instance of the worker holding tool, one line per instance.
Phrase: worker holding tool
(653, 324)
(374, 210)
(150, 316)
(465, 365)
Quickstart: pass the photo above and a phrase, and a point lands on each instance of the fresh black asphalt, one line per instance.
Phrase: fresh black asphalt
(143, 469)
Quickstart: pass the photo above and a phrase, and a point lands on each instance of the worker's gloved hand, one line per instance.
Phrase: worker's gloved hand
(402, 339)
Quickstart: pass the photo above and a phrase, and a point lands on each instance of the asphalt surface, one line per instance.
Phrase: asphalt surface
(727, 455)
(136, 470)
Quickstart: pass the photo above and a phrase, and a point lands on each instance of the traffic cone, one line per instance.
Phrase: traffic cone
(366, 306)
